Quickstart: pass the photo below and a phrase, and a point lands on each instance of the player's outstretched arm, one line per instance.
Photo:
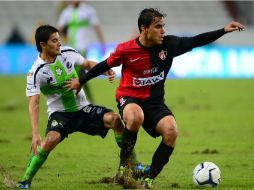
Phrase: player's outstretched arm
(233, 26)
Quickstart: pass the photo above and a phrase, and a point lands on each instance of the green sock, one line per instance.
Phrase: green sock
(119, 141)
(34, 164)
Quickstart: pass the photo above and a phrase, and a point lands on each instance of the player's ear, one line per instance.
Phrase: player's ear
(143, 28)
(43, 45)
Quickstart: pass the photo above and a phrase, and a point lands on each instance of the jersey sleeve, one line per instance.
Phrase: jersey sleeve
(115, 58)
(32, 84)
(184, 44)
(79, 59)
(179, 45)
(74, 55)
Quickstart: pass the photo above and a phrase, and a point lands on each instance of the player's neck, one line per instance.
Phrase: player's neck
(46, 57)
(144, 41)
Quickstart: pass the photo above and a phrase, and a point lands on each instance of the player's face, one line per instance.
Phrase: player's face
(156, 31)
(53, 45)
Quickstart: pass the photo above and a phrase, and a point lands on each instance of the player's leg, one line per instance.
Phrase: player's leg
(113, 121)
(168, 130)
(36, 161)
(133, 117)
(55, 132)
(162, 124)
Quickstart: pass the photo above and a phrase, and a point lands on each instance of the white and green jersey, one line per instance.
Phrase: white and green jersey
(49, 78)
(78, 22)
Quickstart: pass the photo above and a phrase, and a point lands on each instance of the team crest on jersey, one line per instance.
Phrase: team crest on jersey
(54, 123)
(163, 55)
(58, 71)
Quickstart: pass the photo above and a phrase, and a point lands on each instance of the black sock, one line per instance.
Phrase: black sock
(160, 159)
(129, 141)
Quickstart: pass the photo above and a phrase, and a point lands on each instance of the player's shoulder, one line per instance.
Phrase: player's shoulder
(171, 40)
(36, 67)
(170, 37)
(66, 49)
(38, 63)
(127, 44)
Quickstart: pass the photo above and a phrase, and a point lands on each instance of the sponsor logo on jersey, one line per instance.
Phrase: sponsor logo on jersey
(148, 80)
(163, 55)
(151, 71)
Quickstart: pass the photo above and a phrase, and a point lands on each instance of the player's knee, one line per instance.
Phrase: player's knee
(135, 120)
(170, 135)
(112, 120)
(51, 140)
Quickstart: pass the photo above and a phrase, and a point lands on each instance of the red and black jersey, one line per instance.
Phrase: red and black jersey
(144, 70)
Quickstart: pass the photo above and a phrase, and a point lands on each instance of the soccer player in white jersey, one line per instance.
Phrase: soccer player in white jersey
(67, 112)
(78, 20)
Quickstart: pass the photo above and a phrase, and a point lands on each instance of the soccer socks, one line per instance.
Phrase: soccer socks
(160, 159)
(119, 141)
(129, 141)
(34, 164)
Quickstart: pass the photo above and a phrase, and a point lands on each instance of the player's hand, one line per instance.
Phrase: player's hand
(233, 26)
(111, 75)
(36, 141)
(73, 84)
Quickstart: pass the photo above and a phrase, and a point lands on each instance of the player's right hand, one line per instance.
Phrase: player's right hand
(73, 84)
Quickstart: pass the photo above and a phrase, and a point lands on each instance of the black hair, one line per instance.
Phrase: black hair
(42, 34)
(147, 16)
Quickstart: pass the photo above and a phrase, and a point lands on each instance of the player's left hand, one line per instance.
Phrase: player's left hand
(73, 84)
(233, 26)
(111, 75)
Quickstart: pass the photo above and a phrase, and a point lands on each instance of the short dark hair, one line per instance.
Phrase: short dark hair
(42, 34)
(147, 16)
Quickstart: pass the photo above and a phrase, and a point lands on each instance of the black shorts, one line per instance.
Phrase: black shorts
(89, 120)
(153, 113)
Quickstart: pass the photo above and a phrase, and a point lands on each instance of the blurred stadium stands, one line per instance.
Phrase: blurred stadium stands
(119, 18)
(232, 57)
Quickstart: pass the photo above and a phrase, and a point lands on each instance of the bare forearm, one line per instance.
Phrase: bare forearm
(34, 114)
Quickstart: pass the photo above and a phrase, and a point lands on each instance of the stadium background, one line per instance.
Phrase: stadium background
(230, 56)
(215, 115)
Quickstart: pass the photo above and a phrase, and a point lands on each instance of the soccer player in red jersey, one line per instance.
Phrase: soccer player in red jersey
(146, 62)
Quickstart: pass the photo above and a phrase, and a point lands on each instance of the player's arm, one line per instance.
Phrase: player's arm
(94, 71)
(88, 65)
(187, 43)
(208, 37)
(33, 107)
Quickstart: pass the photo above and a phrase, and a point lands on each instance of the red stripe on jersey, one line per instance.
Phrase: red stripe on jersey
(136, 68)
